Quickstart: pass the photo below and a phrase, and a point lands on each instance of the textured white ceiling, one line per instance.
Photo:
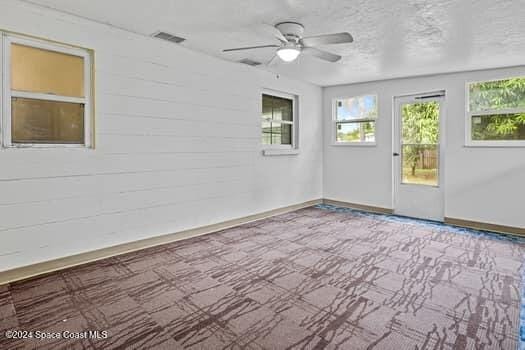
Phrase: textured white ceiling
(392, 38)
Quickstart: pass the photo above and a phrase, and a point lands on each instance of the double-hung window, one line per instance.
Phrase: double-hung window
(496, 113)
(278, 121)
(46, 98)
(354, 120)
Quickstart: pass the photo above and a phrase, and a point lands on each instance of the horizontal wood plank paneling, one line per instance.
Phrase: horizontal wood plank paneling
(177, 147)
(78, 259)
(102, 203)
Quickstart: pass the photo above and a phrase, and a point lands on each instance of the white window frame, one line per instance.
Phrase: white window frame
(468, 120)
(270, 150)
(353, 121)
(5, 100)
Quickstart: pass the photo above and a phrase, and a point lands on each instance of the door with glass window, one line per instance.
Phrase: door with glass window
(418, 156)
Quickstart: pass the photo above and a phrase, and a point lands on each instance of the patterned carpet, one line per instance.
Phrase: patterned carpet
(309, 279)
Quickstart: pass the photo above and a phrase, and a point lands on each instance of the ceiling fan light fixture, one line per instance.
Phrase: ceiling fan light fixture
(292, 43)
(288, 54)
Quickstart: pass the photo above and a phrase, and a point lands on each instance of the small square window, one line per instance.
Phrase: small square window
(278, 122)
(355, 120)
(47, 93)
(496, 113)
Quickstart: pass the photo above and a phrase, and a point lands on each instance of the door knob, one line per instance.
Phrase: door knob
(395, 154)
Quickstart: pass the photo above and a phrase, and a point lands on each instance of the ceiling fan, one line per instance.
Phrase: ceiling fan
(292, 44)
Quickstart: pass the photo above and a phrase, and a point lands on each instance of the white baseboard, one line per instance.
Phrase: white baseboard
(25, 272)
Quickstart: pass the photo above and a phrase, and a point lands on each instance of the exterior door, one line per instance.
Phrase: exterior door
(418, 156)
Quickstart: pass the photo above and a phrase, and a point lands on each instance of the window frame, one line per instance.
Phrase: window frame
(7, 94)
(353, 121)
(469, 142)
(270, 149)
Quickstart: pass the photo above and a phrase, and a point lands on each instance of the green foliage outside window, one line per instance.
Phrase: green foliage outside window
(420, 131)
(356, 132)
(494, 96)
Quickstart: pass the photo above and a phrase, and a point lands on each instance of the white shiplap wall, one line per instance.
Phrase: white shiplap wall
(177, 147)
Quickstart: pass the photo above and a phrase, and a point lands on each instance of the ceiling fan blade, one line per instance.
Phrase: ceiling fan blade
(327, 39)
(271, 30)
(324, 55)
(249, 48)
(273, 61)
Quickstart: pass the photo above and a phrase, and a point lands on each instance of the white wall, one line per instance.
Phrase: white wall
(178, 146)
(481, 184)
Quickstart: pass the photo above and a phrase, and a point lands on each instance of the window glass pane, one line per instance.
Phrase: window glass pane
(276, 133)
(420, 122)
(277, 108)
(266, 133)
(420, 164)
(356, 132)
(508, 93)
(420, 143)
(38, 121)
(267, 107)
(282, 109)
(44, 71)
(361, 107)
(286, 134)
(498, 127)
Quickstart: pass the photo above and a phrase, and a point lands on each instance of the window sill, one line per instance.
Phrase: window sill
(280, 152)
(26, 146)
(356, 144)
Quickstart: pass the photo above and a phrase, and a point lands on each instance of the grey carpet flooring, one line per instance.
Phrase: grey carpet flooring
(309, 279)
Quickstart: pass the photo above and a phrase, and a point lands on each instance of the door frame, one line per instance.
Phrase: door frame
(438, 95)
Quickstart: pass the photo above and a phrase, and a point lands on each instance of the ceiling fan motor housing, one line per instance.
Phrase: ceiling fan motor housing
(291, 30)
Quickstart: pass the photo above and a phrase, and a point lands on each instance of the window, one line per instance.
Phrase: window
(46, 94)
(355, 120)
(278, 121)
(496, 113)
